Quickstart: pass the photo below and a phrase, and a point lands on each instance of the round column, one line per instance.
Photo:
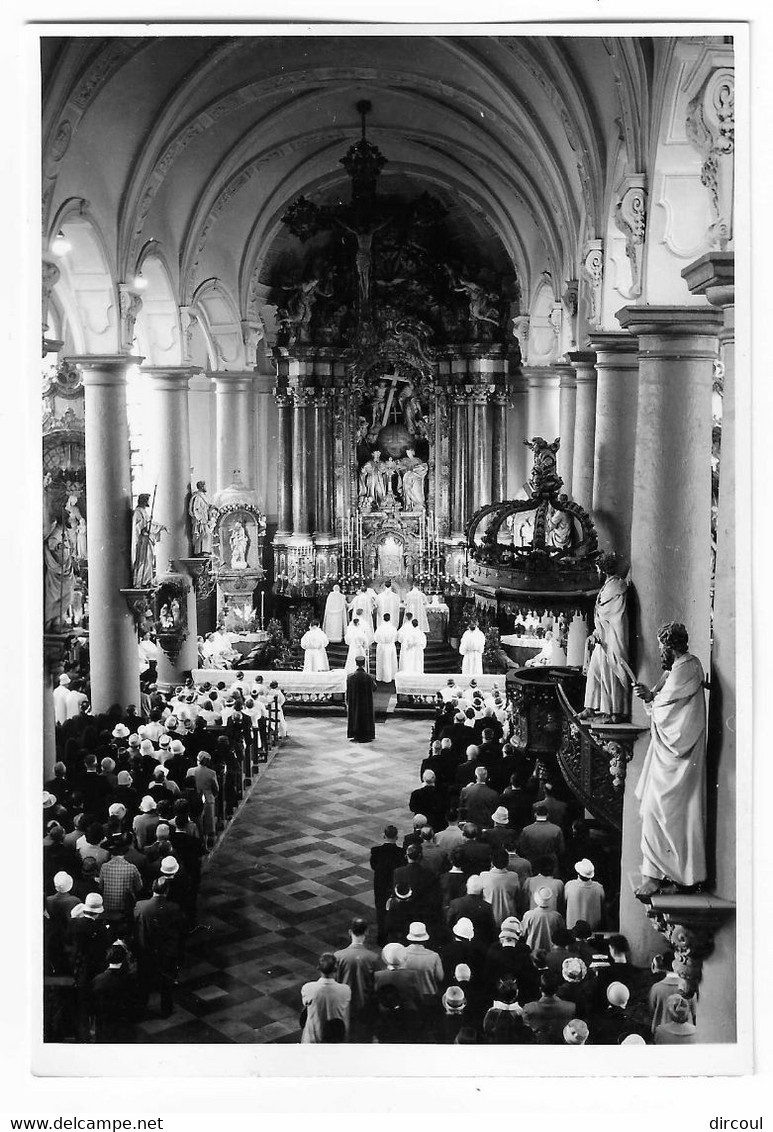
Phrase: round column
(500, 402)
(169, 386)
(458, 467)
(671, 530)
(617, 394)
(322, 484)
(542, 402)
(234, 441)
(583, 362)
(567, 405)
(517, 430)
(113, 658)
(481, 478)
(300, 457)
(284, 472)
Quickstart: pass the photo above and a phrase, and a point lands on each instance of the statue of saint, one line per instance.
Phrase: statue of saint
(238, 542)
(607, 682)
(414, 474)
(59, 581)
(202, 519)
(672, 785)
(145, 532)
(373, 485)
(76, 527)
(558, 529)
(378, 406)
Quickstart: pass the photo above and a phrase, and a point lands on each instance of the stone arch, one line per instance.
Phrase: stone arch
(218, 315)
(158, 321)
(86, 289)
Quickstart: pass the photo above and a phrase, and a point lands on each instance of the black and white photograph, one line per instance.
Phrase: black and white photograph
(390, 574)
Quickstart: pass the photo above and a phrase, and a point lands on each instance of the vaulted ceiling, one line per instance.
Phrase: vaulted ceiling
(201, 143)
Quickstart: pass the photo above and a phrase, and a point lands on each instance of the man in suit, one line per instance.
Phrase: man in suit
(465, 772)
(422, 882)
(356, 966)
(430, 799)
(542, 838)
(556, 809)
(160, 930)
(478, 801)
(473, 907)
(361, 719)
(324, 1000)
(549, 1014)
(459, 735)
(113, 1000)
(475, 855)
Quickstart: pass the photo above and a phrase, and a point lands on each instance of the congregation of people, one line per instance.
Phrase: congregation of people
(133, 808)
(493, 914)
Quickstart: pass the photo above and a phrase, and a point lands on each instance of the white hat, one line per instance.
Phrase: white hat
(500, 816)
(176, 747)
(63, 882)
(117, 810)
(134, 740)
(585, 869)
(124, 778)
(64, 679)
(147, 804)
(160, 772)
(633, 1040)
(120, 731)
(146, 747)
(511, 928)
(169, 867)
(463, 928)
(576, 1032)
(618, 994)
(164, 740)
(417, 933)
(93, 902)
(49, 800)
(573, 970)
(543, 897)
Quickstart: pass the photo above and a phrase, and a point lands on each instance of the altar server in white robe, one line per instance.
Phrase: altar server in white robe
(366, 625)
(357, 641)
(412, 645)
(314, 642)
(388, 601)
(471, 649)
(334, 621)
(416, 608)
(364, 600)
(386, 652)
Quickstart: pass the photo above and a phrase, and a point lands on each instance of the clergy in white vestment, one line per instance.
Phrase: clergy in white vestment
(314, 642)
(672, 786)
(412, 645)
(415, 608)
(366, 625)
(60, 699)
(388, 601)
(357, 641)
(334, 621)
(386, 652)
(363, 600)
(471, 649)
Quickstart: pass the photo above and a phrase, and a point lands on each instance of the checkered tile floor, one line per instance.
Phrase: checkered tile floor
(288, 876)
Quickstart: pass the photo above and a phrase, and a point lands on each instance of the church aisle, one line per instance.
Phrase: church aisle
(288, 876)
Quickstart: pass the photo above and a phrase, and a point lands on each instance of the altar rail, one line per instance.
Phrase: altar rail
(419, 690)
(301, 689)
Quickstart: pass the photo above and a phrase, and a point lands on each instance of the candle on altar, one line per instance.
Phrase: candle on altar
(262, 600)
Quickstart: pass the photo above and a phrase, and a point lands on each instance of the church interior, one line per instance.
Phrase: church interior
(388, 413)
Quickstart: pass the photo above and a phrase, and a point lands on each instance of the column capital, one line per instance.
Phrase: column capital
(171, 379)
(616, 349)
(670, 322)
(104, 369)
(233, 381)
(537, 375)
(584, 363)
(567, 378)
(714, 269)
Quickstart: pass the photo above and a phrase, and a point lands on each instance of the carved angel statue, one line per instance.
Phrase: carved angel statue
(482, 306)
(410, 407)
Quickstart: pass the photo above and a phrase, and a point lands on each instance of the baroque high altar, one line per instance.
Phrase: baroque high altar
(395, 362)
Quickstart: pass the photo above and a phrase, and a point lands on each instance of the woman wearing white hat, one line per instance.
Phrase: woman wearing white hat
(584, 896)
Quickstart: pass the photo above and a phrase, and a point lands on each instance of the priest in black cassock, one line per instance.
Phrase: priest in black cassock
(359, 704)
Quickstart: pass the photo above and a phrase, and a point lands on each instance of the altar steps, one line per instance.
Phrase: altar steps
(438, 657)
